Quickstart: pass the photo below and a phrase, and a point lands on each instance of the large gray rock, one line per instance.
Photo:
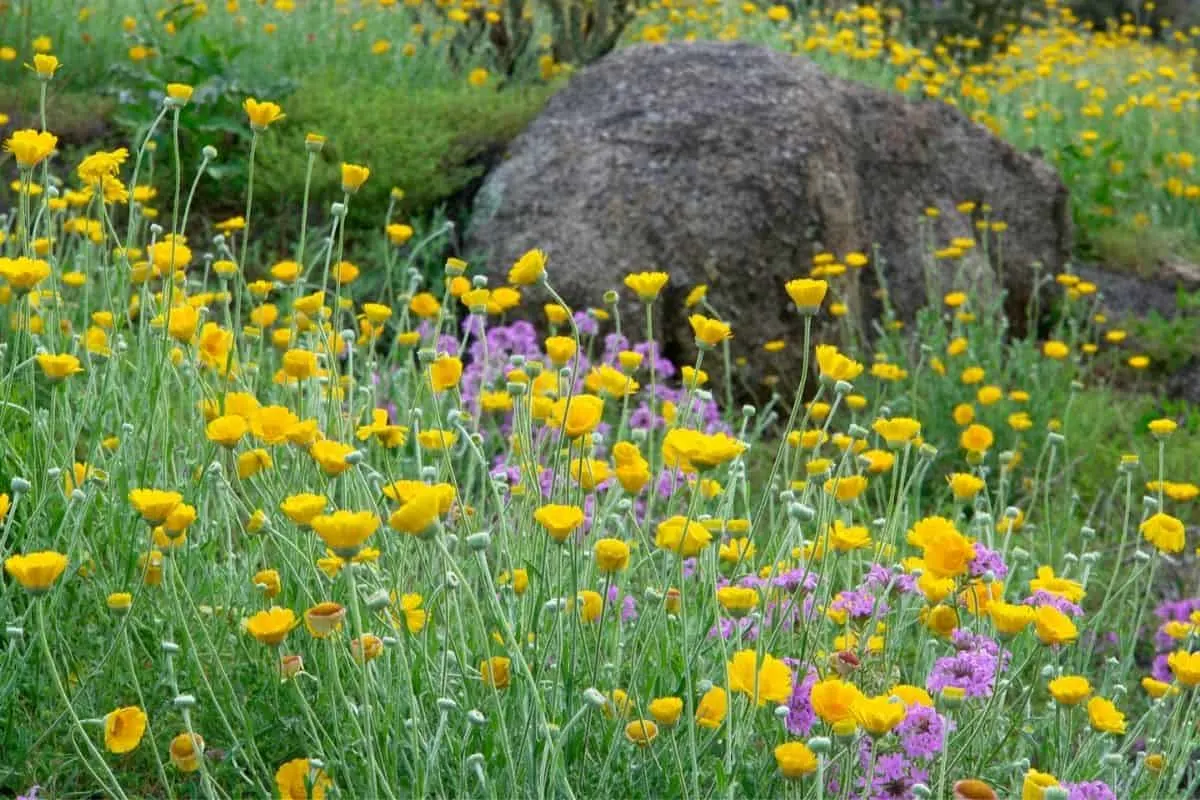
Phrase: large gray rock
(732, 165)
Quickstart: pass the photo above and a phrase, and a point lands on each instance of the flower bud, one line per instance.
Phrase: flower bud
(184, 701)
(821, 745)
(476, 717)
(594, 697)
(446, 705)
(479, 542)
(209, 152)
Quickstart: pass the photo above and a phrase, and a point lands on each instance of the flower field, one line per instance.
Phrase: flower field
(267, 532)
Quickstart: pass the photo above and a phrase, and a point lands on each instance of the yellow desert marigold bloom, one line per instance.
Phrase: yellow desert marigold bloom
(155, 505)
(331, 456)
(299, 780)
(1105, 717)
(641, 732)
(647, 285)
(833, 700)
(806, 293)
(59, 366)
(1070, 690)
(709, 332)
(897, 431)
(495, 672)
(420, 511)
(845, 538)
(1165, 532)
(1053, 626)
(576, 416)
(227, 431)
(1056, 350)
(976, 438)
(270, 424)
(1047, 581)
(123, 729)
(692, 450)
(666, 710)
(353, 177)
(1185, 666)
(269, 581)
(949, 551)
(964, 485)
(737, 601)
(632, 469)
(272, 626)
(44, 64)
(878, 715)
(528, 269)
(262, 114)
(610, 555)
(23, 274)
(36, 572)
(1010, 619)
(712, 708)
(93, 169)
(30, 147)
(445, 373)
(398, 233)
(682, 536)
(185, 751)
(180, 92)
(437, 439)
(846, 489)
(770, 681)
(303, 508)
(877, 462)
(1035, 784)
(345, 531)
(834, 366)
(591, 605)
(795, 760)
(559, 521)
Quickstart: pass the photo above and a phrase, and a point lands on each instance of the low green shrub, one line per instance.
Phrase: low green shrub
(430, 143)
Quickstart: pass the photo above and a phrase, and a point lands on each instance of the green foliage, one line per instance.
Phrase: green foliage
(976, 27)
(431, 143)
(1171, 342)
(213, 116)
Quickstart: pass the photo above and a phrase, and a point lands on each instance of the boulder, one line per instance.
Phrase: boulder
(732, 165)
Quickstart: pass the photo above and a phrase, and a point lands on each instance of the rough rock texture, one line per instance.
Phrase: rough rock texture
(732, 165)
(1126, 296)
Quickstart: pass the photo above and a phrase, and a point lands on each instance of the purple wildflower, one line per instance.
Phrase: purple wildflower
(988, 560)
(923, 732)
(1044, 598)
(1089, 790)
(801, 717)
(973, 672)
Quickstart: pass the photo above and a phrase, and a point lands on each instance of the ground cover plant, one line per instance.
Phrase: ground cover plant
(267, 531)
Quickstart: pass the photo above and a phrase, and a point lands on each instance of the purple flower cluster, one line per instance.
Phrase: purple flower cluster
(801, 717)
(923, 732)
(1169, 611)
(973, 668)
(860, 604)
(894, 775)
(987, 560)
(1089, 790)
(1043, 598)
(879, 578)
